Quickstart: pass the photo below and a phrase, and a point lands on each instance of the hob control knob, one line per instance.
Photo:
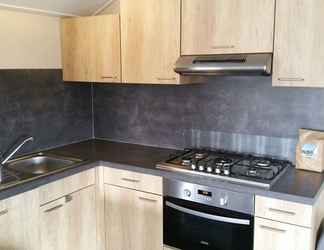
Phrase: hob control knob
(223, 201)
(227, 171)
(209, 169)
(201, 168)
(193, 166)
(217, 170)
(187, 193)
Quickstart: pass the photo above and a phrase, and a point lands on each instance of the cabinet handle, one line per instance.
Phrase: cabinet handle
(166, 79)
(282, 211)
(131, 180)
(223, 47)
(273, 229)
(53, 208)
(147, 199)
(290, 79)
(109, 77)
(4, 212)
(68, 198)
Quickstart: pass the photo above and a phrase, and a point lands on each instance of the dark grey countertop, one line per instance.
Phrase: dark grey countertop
(295, 185)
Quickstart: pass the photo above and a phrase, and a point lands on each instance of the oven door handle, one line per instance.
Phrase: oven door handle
(208, 216)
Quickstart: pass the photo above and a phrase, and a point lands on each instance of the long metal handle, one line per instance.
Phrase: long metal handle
(166, 79)
(109, 77)
(290, 79)
(223, 47)
(282, 211)
(208, 216)
(53, 208)
(147, 199)
(4, 212)
(131, 180)
(273, 229)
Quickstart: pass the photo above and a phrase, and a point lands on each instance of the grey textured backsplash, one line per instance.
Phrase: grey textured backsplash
(38, 103)
(235, 113)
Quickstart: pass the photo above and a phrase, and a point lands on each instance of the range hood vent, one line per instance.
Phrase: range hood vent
(239, 64)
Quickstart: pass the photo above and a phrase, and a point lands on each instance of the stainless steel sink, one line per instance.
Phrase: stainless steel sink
(40, 164)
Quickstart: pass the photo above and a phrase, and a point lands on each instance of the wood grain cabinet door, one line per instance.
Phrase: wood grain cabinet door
(150, 39)
(69, 223)
(133, 219)
(272, 235)
(227, 26)
(299, 39)
(91, 49)
(19, 222)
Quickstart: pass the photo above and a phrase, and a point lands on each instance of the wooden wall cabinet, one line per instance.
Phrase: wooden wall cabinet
(150, 41)
(299, 39)
(91, 49)
(227, 26)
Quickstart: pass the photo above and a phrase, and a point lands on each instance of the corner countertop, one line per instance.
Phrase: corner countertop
(295, 185)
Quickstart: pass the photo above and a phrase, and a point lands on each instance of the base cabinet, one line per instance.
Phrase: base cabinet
(69, 223)
(19, 222)
(133, 219)
(272, 235)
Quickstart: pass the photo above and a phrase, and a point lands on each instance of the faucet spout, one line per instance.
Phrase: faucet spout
(16, 149)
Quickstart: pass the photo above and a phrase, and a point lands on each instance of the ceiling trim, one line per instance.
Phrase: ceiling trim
(40, 11)
(102, 7)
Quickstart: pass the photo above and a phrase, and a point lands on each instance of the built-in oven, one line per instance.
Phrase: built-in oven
(203, 218)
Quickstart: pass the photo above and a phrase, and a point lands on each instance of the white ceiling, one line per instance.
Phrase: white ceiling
(58, 7)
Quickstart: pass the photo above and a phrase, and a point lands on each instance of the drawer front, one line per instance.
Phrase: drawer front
(283, 211)
(273, 235)
(142, 182)
(71, 184)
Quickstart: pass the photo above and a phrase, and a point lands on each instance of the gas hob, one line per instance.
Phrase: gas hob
(228, 166)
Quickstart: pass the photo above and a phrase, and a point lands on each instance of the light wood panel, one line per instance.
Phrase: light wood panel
(133, 219)
(142, 182)
(19, 222)
(284, 211)
(227, 26)
(62, 187)
(69, 223)
(299, 39)
(272, 235)
(150, 40)
(91, 49)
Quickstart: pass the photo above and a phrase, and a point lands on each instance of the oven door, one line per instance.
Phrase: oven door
(193, 226)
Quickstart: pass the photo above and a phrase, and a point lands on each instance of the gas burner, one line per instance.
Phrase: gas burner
(263, 163)
(228, 166)
(223, 161)
(200, 155)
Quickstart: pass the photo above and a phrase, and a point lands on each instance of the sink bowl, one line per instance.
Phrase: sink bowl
(40, 164)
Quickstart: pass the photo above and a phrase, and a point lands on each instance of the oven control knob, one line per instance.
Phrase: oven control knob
(201, 168)
(209, 169)
(187, 193)
(218, 171)
(193, 166)
(223, 201)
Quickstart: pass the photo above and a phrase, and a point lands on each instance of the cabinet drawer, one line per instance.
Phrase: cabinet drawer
(66, 186)
(283, 211)
(142, 182)
(273, 235)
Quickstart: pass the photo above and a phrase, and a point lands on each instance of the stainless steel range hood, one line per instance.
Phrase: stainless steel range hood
(239, 64)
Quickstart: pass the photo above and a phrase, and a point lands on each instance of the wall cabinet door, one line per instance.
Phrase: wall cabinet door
(227, 26)
(70, 222)
(19, 222)
(299, 39)
(91, 49)
(133, 219)
(150, 38)
(272, 235)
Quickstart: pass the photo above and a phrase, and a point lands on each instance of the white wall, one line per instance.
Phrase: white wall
(29, 41)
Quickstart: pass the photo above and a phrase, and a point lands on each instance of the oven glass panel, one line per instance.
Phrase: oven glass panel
(185, 231)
